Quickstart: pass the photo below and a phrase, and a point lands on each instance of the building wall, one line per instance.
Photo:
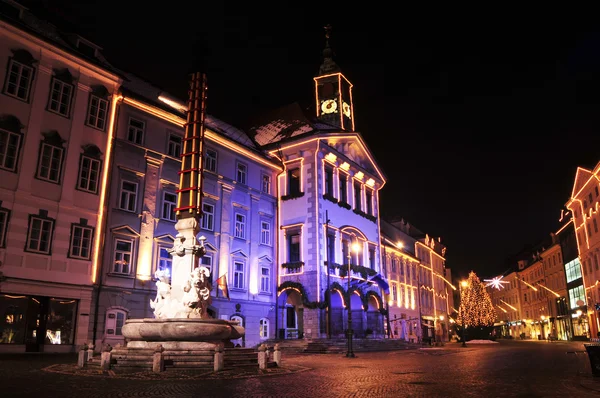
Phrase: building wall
(584, 207)
(306, 215)
(52, 274)
(149, 165)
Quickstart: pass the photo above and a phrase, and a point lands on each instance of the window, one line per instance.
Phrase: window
(208, 214)
(128, 195)
(294, 182)
(345, 250)
(206, 261)
(576, 294)
(242, 171)
(50, 163)
(265, 279)
(9, 150)
(591, 199)
(596, 191)
(18, 80)
(165, 261)
(210, 160)
(393, 264)
(123, 255)
(369, 200)
(135, 132)
(264, 328)
(115, 319)
(573, 270)
(174, 146)
(330, 249)
(266, 183)
(81, 241)
(343, 188)
(595, 225)
(89, 172)
(238, 275)
(60, 97)
(265, 233)
(4, 217)
(240, 226)
(294, 248)
(39, 234)
(97, 112)
(395, 296)
(169, 204)
(328, 180)
(372, 257)
(357, 195)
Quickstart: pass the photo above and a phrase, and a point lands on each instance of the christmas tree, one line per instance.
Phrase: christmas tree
(476, 308)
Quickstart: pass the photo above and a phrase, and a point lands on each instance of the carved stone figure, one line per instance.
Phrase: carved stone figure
(163, 293)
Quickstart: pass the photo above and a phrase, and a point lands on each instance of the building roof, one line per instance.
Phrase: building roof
(285, 123)
(394, 233)
(137, 88)
(19, 16)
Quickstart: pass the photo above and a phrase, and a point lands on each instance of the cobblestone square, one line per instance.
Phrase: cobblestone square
(507, 369)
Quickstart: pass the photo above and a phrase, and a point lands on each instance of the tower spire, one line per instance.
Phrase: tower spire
(328, 66)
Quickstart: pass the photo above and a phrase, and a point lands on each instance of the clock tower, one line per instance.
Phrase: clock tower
(333, 91)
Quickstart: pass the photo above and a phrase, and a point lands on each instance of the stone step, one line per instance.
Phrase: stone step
(191, 364)
(189, 359)
(133, 364)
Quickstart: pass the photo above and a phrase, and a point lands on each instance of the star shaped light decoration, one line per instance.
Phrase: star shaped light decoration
(495, 282)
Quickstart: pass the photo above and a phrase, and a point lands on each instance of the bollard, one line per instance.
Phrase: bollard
(277, 354)
(219, 359)
(262, 356)
(83, 354)
(90, 351)
(105, 357)
(158, 362)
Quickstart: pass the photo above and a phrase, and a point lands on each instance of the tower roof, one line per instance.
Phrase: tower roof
(328, 66)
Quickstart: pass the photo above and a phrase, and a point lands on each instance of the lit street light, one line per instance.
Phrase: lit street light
(350, 352)
(463, 284)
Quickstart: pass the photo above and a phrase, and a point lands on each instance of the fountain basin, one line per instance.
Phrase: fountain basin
(181, 329)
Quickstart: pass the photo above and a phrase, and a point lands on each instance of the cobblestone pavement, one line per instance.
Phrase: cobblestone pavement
(507, 369)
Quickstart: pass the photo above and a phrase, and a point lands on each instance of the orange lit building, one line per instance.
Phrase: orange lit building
(583, 205)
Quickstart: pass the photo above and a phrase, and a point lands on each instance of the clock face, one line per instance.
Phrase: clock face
(346, 109)
(329, 106)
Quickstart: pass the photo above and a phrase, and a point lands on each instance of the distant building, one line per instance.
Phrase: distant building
(583, 205)
(421, 294)
(570, 305)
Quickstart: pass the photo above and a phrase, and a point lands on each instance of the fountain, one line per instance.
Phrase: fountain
(181, 323)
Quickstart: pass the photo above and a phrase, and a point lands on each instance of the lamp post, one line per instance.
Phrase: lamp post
(463, 284)
(350, 352)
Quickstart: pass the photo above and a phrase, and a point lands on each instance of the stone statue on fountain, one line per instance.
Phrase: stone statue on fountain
(196, 289)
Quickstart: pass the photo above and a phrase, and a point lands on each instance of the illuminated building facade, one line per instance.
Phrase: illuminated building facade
(577, 321)
(238, 222)
(507, 304)
(329, 174)
(400, 265)
(584, 209)
(56, 112)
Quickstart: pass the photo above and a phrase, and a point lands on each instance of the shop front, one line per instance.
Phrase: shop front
(35, 323)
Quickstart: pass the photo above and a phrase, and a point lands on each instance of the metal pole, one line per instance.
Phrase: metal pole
(327, 291)
(462, 318)
(349, 352)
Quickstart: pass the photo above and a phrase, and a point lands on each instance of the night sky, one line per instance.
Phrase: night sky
(479, 127)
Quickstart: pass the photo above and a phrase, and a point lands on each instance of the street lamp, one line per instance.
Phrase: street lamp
(463, 284)
(350, 353)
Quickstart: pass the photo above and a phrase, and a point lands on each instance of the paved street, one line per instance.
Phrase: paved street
(507, 369)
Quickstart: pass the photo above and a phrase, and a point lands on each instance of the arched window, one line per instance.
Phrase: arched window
(264, 328)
